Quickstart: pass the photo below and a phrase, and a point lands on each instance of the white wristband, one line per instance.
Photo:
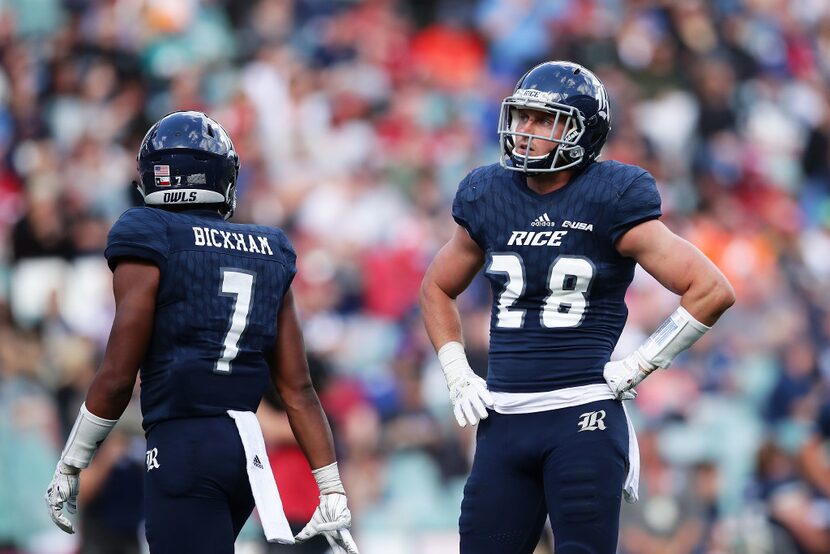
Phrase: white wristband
(453, 361)
(328, 479)
(87, 434)
(677, 333)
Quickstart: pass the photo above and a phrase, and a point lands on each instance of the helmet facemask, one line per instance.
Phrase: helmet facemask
(568, 124)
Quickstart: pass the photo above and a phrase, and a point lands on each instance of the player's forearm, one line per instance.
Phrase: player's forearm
(705, 295)
(708, 296)
(440, 315)
(275, 426)
(109, 395)
(310, 426)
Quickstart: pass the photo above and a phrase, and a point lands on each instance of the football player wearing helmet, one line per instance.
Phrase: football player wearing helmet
(204, 310)
(558, 233)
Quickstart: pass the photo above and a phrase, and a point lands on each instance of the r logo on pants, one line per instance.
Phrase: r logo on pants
(152, 459)
(591, 421)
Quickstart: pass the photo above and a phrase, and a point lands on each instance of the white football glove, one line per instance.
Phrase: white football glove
(63, 489)
(341, 542)
(623, 375)
(470, 397)
(332, 519)
(88, 432)
(468, 392)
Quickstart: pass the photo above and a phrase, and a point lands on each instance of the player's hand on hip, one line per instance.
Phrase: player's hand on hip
(468, 392)
(331, 519)
(470, 398)
(63, 490)
(623, 375)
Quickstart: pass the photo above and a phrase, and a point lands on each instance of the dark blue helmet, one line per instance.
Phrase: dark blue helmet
(187, 158)
(581, 117)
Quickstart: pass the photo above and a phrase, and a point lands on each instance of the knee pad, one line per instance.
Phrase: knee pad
(579, 496)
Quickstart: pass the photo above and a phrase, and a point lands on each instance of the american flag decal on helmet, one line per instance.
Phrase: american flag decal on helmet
(162, 175)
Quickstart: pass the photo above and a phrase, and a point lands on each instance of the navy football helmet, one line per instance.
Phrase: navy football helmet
(578, 102)
(187, 158)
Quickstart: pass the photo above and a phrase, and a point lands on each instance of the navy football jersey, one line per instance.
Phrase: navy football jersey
(558, 282)
(221, 287)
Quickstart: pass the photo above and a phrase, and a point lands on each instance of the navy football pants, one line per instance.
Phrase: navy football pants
(528, 466)
(199, 497)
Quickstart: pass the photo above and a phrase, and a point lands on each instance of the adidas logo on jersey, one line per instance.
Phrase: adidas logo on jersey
(543, 221)
(257, 463)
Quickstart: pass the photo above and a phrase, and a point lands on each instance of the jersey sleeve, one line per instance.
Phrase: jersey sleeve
(637, 202)
(289, 259)
(138, 233)
(464, 210)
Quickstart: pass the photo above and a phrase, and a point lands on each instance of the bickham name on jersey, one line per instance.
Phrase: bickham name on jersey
(231, 240)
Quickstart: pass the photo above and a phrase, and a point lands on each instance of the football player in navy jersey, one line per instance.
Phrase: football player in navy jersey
(558, 234)
(204, 308)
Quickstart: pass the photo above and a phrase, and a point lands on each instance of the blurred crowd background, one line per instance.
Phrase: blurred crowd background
(355, 120)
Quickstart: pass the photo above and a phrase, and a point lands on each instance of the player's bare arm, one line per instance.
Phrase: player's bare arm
(290, 374)
(135, 283)
(680, 267)
(450, 273)
(704, 295)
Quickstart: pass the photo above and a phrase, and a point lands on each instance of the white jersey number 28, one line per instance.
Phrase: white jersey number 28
(569, 280)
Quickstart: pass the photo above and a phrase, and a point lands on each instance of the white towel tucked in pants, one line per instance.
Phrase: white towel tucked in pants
(263, 486)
